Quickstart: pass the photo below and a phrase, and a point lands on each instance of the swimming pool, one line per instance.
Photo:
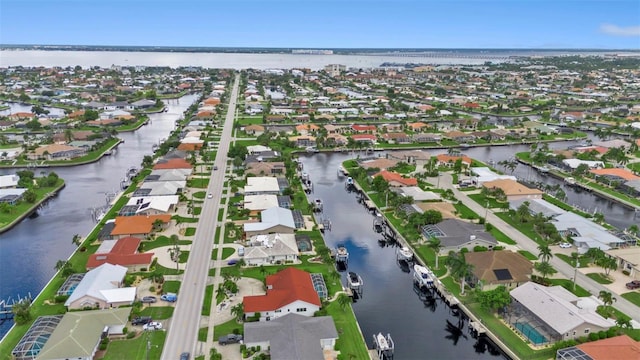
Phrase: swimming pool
(531, 333)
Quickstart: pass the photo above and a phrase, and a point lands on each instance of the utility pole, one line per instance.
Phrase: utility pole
(575, 273)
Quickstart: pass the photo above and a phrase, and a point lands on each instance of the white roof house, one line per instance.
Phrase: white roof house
(261, 185)
(160, 203)
(168, 175)
(260, 202)
(484, 174)
(275, 217)
(257, 149)
(269, 248)
(574, 163)
(8, 181)
(101, 286)
(585, 233)
(558, 308)
(159, 188)
(417, 193)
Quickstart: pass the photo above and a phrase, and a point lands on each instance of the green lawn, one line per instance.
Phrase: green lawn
(161, 241)
(171, 286)
(23, 207)
(633, 297)
(599, 278)
(501, 237)
(183, 257)
(227, 328)
(202, 334)
(483, 200)
(464, 212)
(136, 349)
(158, 312)
(583, 260)
(206, 304)
(528, 255)
(190, 231)
(568, 284)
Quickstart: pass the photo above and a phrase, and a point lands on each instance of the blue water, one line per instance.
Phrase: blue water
(531, 333)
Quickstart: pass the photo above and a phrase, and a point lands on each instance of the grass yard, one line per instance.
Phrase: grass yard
(582, 260)
(171, 286)
(161, 241)
(158, 312)
(568, 284)
(528, 255)
(136, 349)
(633, 297)
(600, 278)
(206, 303)
(501, 237)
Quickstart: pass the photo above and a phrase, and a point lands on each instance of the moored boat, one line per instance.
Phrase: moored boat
(354, 280)
(423, 276)
(404, 253)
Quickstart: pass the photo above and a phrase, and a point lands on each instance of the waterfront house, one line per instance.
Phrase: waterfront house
(364, 138)
(11, 196)
(587, 234)
(260, 168)
(271, 249)
(79, 333)
(175, 163)
(450, 160)
(512, 189)
(395, 179)
(102, 288)
(288, 291)
(619, 347)
(56, 152)
(123, 252)
(272, 220)
(416, 157)
(379, 163)
(455, 234)
(303, 140)
(549, 314)
(138, 225)
(262, 185)
(498, 268)
(257, 203)
(160, 188)
(416, 193)
(459, 136)
(150, 205)
(427, 138)
(293, 336)
(397, 138)
(480, 175)
(9, 181)
(162, 175)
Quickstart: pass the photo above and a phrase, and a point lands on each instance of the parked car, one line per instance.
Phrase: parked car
(154, 325)
(229, 339)
(241, 251)
(149, 299)
(170, 297)
(565, 245)
(635, 284)
(232, 262)
(141, 320)
(185, 356)
(210, 196)
(215, 168)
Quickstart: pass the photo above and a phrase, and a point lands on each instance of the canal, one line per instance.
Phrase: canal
(29, 251)
(420, 328)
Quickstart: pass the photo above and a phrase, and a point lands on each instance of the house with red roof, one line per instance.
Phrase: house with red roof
(122, 252)
(449, 160)
(395, 179)
(138, 225)
(289, 291)
(173, 164)
(363, 128)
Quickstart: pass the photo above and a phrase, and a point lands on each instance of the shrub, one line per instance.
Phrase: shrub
(626, 272)
(602, 335)
(498, 248)
(593, 336)
(131, 334)
(125, 330)
(152, 289)
(479, 248)
(611, 332)
(143, 269)
(61, 298)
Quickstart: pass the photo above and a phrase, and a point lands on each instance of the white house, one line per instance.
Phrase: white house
(262, 185)
(101, 288)
(271, 249)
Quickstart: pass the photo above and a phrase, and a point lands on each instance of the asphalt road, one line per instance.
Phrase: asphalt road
(183, 332)
(531, 246)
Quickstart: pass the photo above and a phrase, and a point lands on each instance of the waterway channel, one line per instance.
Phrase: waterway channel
(420, 328)
(29, 251)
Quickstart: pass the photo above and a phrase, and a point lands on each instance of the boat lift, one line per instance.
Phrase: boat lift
(384, 346)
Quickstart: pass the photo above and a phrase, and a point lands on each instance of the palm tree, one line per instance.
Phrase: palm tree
(238, 311)
(435, 244)
(544, 252)
(523, 211)
(459, 267)
(633, 229)
(545, 269)
(343, 301)
(607, 298)
(61, 264)
(76, 240)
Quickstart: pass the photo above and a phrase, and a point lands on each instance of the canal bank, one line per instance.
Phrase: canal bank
(31, 249)
(33, 209)
(419, 323)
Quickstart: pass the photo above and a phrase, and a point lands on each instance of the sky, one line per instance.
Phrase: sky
(562, 24)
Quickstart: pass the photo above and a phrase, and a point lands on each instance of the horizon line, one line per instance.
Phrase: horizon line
(320, 48)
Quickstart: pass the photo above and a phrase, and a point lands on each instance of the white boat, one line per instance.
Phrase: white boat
(404, 253)
(382, 342)
(570, 181)
(317, 205)
(341, 171)
(354, 280)
(349, 180)
(423, 276)
(342, 255)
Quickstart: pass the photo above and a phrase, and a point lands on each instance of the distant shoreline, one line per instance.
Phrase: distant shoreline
(336, 51)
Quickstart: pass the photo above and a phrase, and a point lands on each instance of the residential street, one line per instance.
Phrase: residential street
(531, 246)
(183, 332)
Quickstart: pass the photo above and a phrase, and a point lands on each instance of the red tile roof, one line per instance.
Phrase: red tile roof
(363, 127)
(390, 176)
(364, 137)
(451, 159)
(124, 252)
(619, 347)
(621, 173)
(173, 164)
(285, 287)
(137, 224)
